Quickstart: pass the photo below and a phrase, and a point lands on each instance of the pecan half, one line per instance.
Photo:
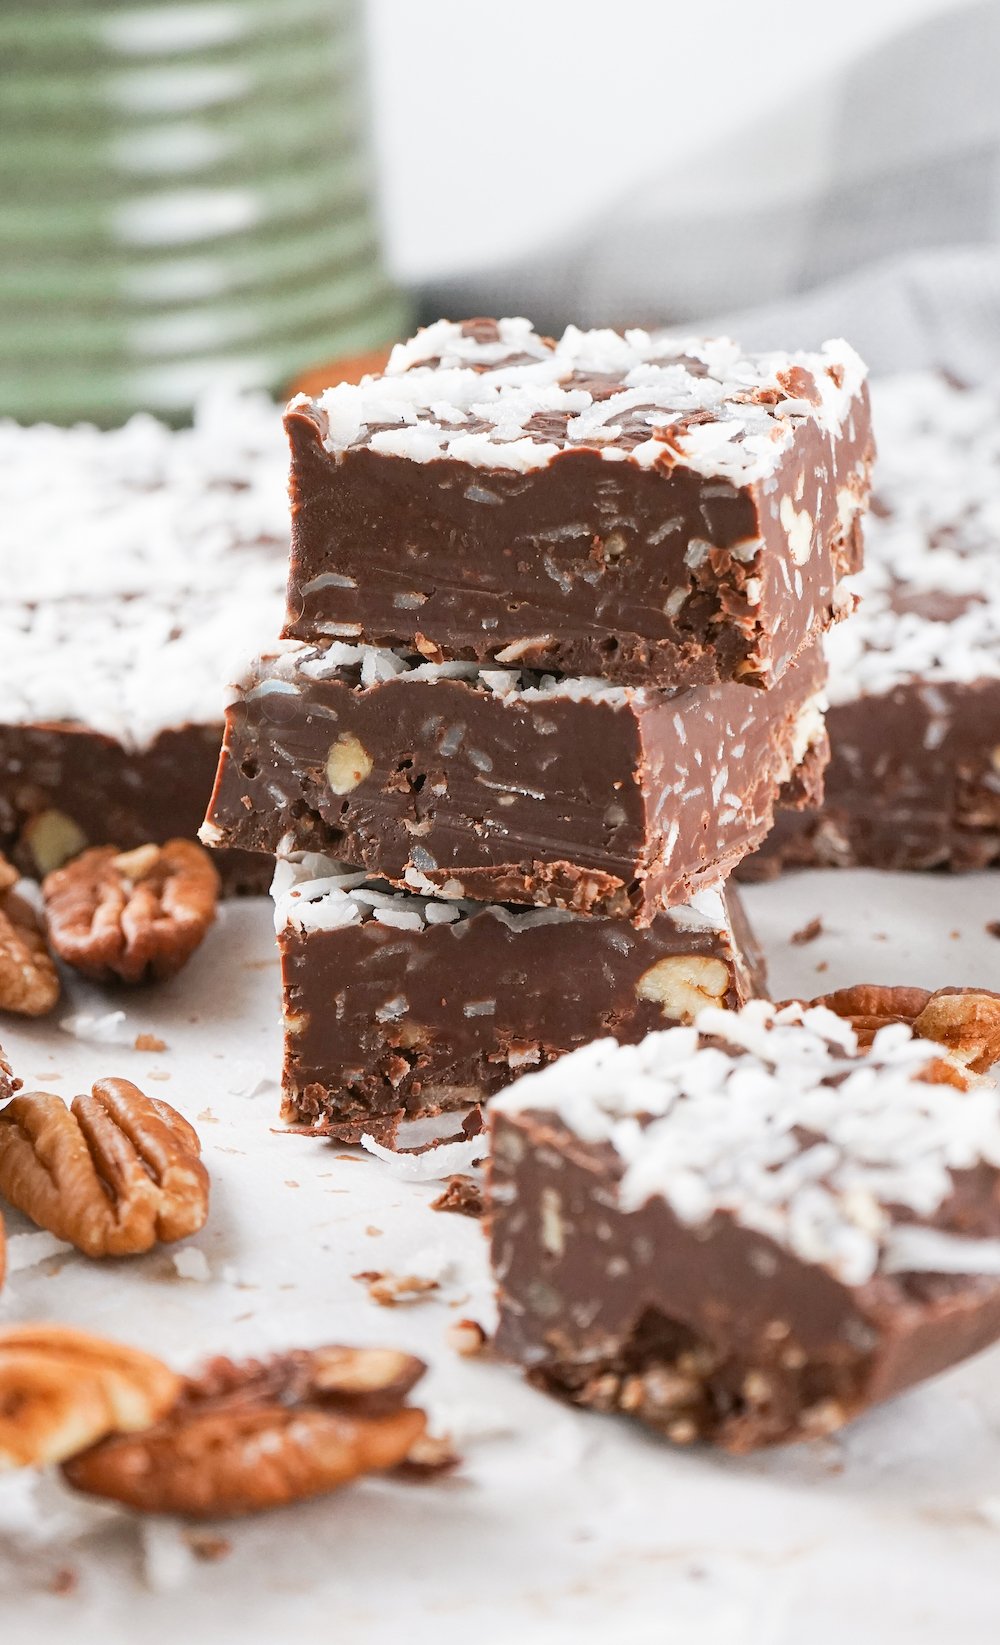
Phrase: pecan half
(113, 1174)
(244, 1437)
(62, 1390)
(964, 1021)
(134, 915)
(29, 981)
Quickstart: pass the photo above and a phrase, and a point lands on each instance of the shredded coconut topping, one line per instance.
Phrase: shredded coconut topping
(775, 1119)
(313, 892)
(495, 394)
(930, 607)
(372, 665)
(138, 565)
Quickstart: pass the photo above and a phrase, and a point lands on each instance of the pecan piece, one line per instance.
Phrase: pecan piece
(113, 1174)
(869, 1006)
(134, 915)
(964, 1021)
(260, 1434)
(29, 981)
(8, 1083)
(62, 1390)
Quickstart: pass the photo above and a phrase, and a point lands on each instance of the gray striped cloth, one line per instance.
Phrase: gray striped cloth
(864, 203)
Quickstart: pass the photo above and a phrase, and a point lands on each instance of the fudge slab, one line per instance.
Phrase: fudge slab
(914, 721)
(509, 787)
(154, 557)
(64, 787)
(396, 1006)
(745, 1231)
(647, 508)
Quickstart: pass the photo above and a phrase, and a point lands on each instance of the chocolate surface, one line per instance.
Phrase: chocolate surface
(385, 1022)
(493, 787)
(715, 1302)
(648, 510)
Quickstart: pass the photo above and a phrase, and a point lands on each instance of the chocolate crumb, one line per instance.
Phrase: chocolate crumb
(824, 965)
(992, 928)
(431, 1454)
(207, 1546)
(64, 1581)
(808, 933)
(149, 1042)
(462, 1195)
(389, 1290)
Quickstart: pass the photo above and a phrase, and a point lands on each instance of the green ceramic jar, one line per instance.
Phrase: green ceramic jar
(185, 198)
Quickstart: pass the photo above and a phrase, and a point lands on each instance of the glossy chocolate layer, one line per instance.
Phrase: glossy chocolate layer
(618, 803)
(584, 566)
(110, 794)
(913, 782)
(710, 1332)
(384, 1023)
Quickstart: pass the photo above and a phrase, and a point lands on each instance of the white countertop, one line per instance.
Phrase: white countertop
(561, 1527)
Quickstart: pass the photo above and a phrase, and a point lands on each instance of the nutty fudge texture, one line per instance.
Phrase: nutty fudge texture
(161, 555)
(506, 786)
(397, 1006)
(914, 718)
(647, 508)
(746, 1231)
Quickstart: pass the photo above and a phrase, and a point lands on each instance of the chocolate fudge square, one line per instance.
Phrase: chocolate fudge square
(914, 718)
(745, 1231)
(504, 786)
(648, 508)
(398, 1006)
(139, 563)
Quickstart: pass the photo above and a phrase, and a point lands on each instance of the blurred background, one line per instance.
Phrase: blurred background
(195, 191)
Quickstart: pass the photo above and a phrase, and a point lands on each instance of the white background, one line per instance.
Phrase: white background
(501, 124)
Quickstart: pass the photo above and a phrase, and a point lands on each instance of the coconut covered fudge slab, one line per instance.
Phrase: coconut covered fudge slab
(397, 1006)
(914, 721)
(646, 508)
(746, 1231)
(159, 553)
(510, 787)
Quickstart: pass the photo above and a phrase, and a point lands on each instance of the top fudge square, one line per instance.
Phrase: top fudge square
(650, 509)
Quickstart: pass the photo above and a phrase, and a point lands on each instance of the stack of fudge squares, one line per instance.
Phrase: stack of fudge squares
(552, 657)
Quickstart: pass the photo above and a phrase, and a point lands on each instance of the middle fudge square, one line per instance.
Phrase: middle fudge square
(513, 787)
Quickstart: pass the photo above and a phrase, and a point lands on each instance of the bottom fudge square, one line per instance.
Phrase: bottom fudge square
(398, 1006)
(746, 1231)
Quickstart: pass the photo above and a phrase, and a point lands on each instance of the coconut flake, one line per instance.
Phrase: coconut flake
(191, 1263)
(108, 1028)
(28, 1250)
(444, 1160)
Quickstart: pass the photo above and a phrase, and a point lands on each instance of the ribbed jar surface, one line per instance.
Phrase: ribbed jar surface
(186, 198)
